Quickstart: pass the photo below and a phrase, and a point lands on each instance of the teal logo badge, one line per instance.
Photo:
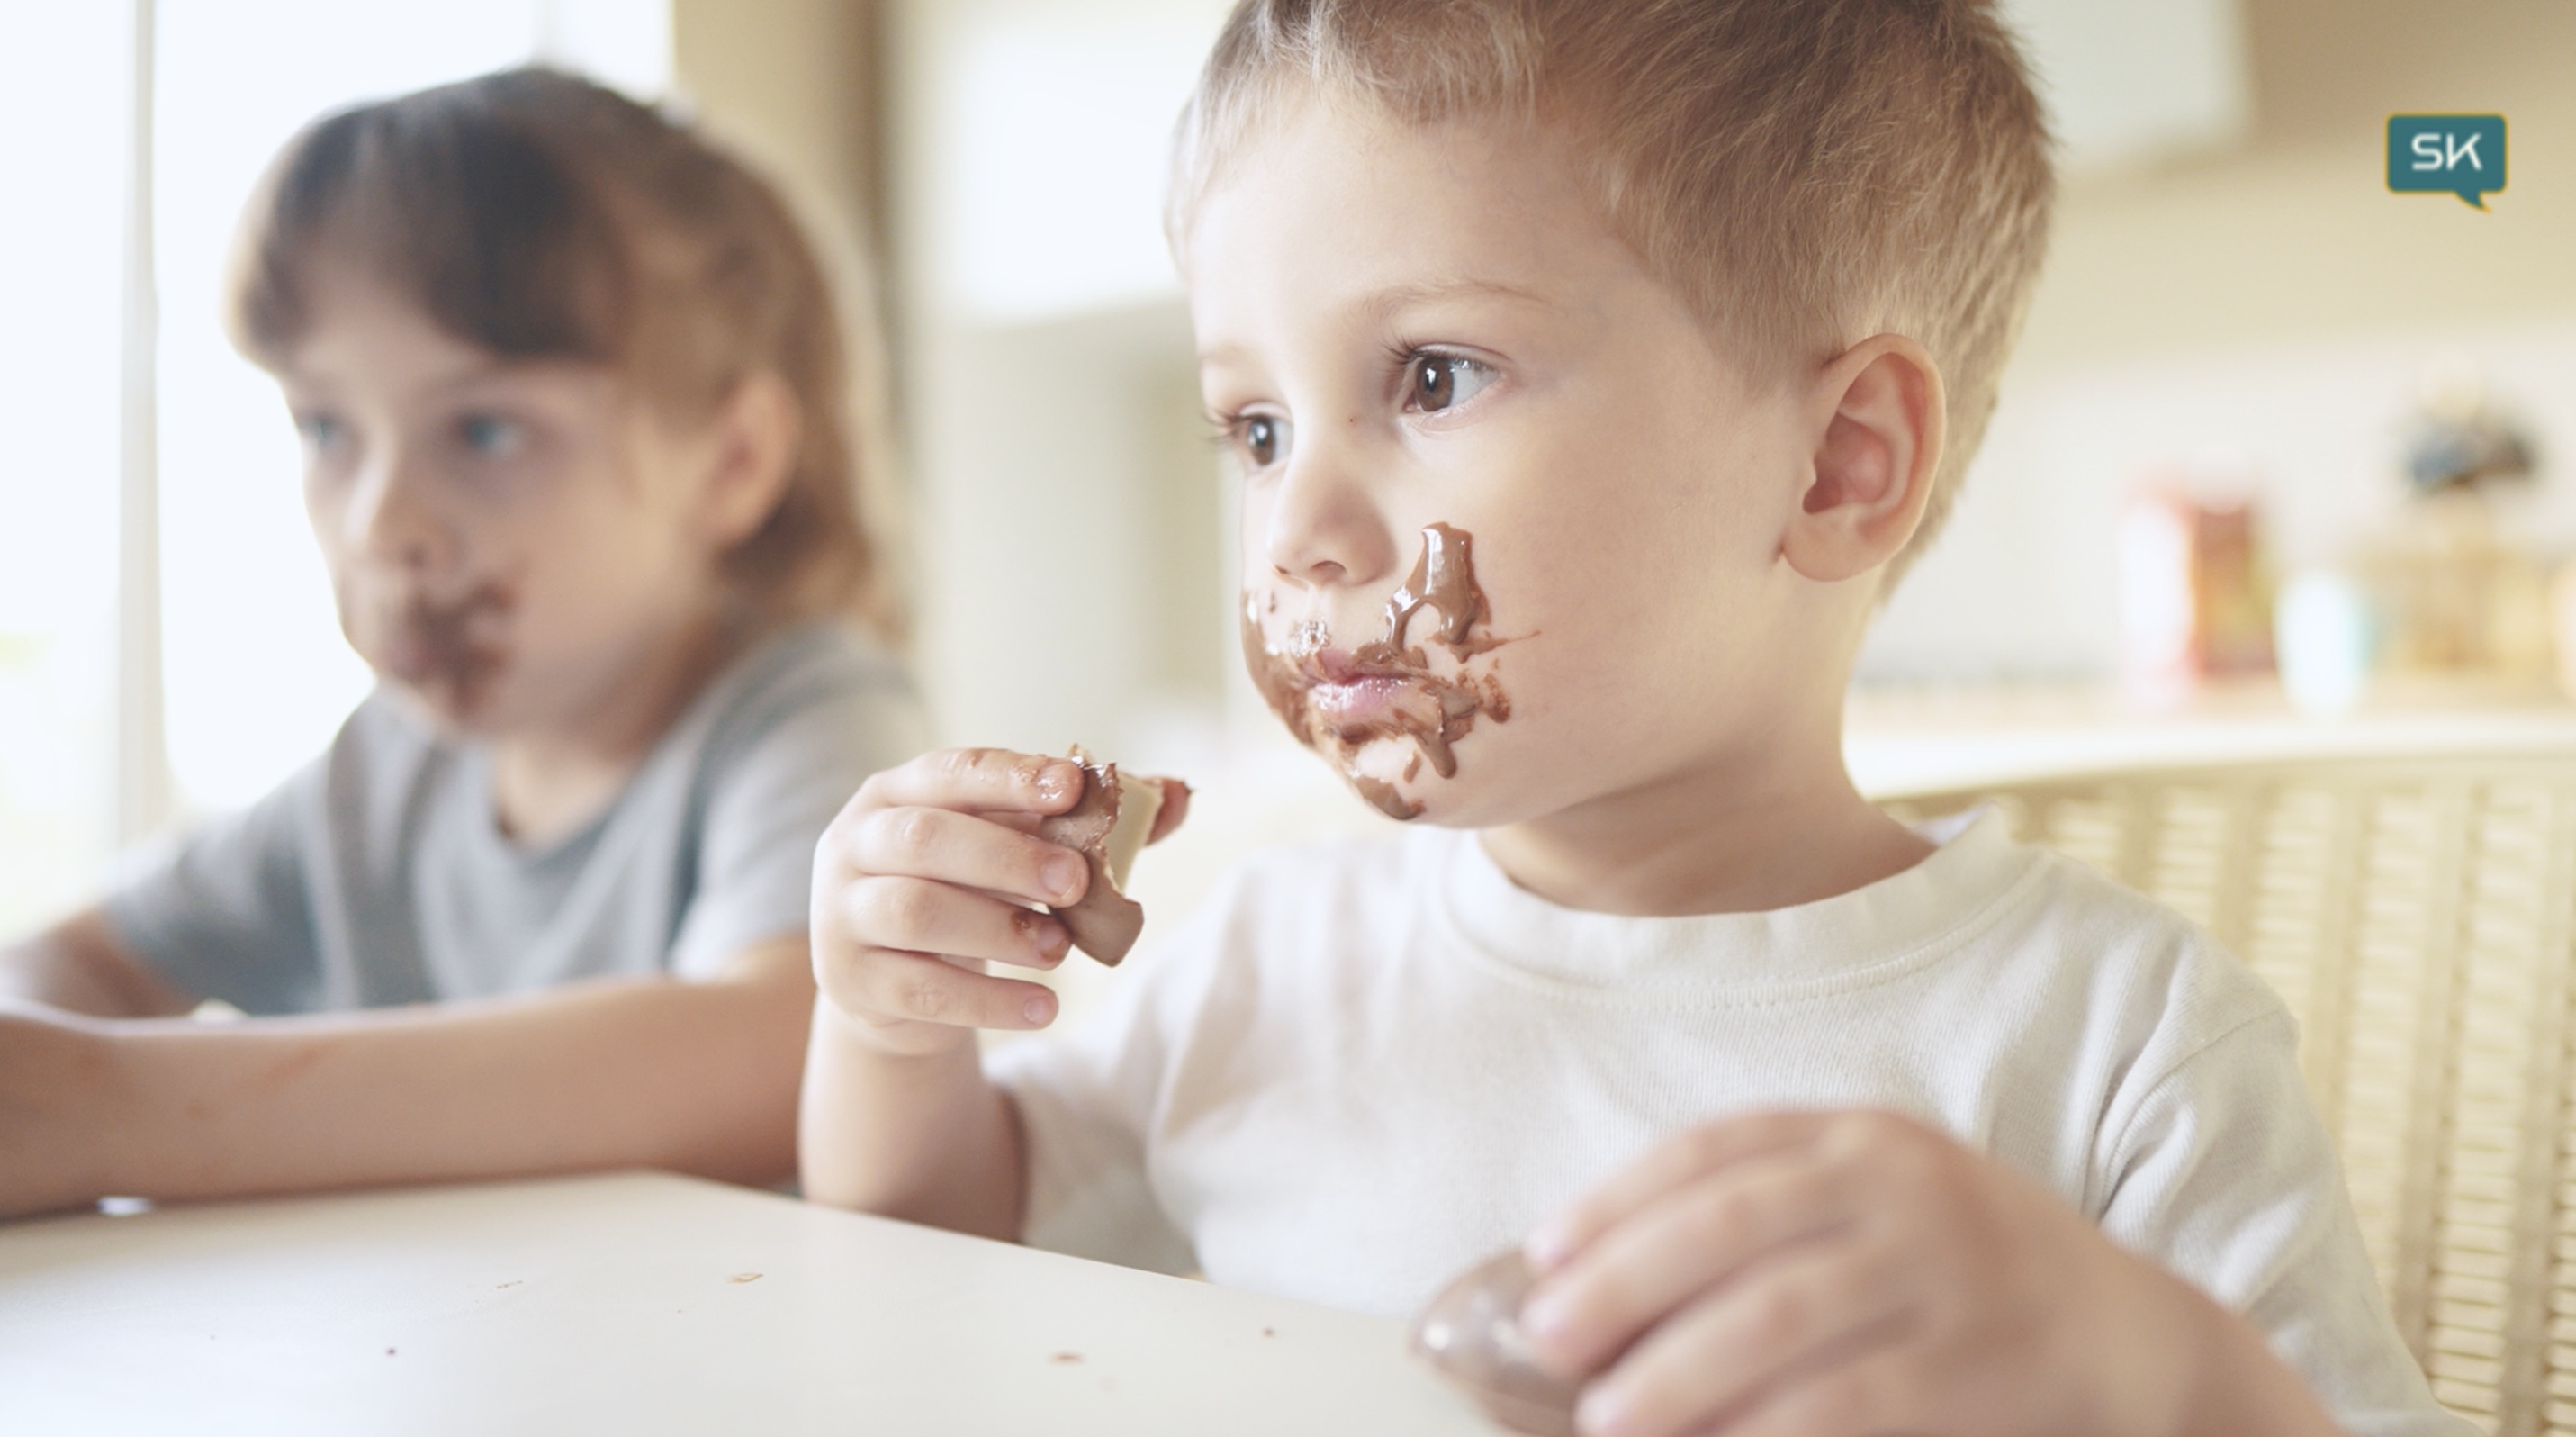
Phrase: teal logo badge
(2446, 155)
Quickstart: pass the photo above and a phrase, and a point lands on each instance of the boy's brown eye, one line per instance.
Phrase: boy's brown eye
(1434, 387)
(1440, 381)
(1261, 440)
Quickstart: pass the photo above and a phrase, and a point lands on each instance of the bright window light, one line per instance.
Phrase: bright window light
(64, 90)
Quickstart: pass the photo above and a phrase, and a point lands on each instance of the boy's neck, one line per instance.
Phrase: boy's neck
(1738, 835)
(549, 781)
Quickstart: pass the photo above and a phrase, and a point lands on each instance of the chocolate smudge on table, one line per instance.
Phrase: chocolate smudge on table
(1433, 710)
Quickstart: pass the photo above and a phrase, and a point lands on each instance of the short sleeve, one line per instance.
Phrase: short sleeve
(1088, 1100)
(2226, 1175)
(226, 913)
(773, 791)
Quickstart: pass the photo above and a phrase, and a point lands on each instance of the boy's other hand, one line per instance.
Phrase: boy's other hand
(1830, 1273)
(927, 876)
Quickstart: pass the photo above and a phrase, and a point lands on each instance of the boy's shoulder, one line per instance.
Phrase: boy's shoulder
(2143, 949)
(2085, 985)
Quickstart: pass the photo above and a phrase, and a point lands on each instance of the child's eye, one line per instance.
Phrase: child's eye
(322, 432)
(1434, 382)
(491, 436)
(1262, 437)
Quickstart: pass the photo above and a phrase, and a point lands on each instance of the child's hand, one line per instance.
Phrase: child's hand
(926, 876)
(1829, 1273)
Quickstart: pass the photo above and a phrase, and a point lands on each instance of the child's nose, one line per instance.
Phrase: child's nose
(1324, 526)
(392, 520)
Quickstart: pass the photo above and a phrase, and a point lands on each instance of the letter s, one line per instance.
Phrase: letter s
(2428, 151)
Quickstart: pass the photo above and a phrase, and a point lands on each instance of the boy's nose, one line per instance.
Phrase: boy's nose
(391, 520)
(1324, 526)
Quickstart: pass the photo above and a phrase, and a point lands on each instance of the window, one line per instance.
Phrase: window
(240, 665)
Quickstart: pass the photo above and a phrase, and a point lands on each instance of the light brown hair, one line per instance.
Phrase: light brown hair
(538, 215)
(1806, 172)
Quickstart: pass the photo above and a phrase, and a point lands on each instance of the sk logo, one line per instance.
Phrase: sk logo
(2446, 155)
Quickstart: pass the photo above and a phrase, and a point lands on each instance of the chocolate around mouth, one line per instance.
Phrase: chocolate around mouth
(457, 656)
(1432, 710)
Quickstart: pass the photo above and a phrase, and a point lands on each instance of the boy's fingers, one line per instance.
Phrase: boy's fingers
(1731, 1226)
(974, 779)
(917, 915)
(1672, 1163)
(1790, 1324)
(1175, 809)
(960, 848)
(920, 988)
(1884, 1387)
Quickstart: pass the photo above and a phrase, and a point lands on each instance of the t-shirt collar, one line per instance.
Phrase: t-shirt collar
(1900, 922)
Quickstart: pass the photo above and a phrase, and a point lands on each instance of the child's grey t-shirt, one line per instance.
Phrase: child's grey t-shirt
(380, 875)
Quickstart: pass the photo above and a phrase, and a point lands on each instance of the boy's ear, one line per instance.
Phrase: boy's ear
(1877, 414)
(757, 429)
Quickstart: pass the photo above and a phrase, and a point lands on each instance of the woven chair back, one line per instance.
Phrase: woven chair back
(2418, 915)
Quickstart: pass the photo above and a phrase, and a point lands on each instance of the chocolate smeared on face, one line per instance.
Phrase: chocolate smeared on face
(1433, 710)
(1385, 797)
(449, 651)
(1443, 580)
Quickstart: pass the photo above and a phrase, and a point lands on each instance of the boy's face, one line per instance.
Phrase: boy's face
(509, 542)
(1405, 327)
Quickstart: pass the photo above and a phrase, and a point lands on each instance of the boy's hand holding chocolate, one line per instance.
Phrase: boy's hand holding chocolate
(1824, 1273)
(930, 874)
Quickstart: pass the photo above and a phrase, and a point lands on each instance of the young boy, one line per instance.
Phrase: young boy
(1595, 368)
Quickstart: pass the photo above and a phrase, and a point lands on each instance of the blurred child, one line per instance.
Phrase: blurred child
(1595, 367)
(579, 459)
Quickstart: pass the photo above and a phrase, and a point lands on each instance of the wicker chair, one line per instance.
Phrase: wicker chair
(2418, 914)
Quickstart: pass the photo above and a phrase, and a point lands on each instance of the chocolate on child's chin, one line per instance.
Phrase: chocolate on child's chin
(458, 660)
(1435, 711)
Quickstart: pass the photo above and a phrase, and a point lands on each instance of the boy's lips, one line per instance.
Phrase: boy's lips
(1358, 697)
(1354, 702)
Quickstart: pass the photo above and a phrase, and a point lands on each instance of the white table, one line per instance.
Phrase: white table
(638, 1304)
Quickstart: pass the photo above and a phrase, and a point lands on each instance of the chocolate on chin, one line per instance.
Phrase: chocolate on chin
(1107, 826)
(1471, 1334)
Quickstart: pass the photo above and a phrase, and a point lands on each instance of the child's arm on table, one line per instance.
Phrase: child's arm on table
(1823, 1273)
(697, 1077)
(79, 967)
(898, 1116)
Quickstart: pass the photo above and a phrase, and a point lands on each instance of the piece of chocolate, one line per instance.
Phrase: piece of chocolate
(1107, 825)
(1471, 1334)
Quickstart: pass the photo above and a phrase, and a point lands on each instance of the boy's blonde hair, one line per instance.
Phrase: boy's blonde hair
(538, 215)
(1807, 172)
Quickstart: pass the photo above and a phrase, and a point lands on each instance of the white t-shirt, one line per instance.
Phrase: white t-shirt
(1365, 1065)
